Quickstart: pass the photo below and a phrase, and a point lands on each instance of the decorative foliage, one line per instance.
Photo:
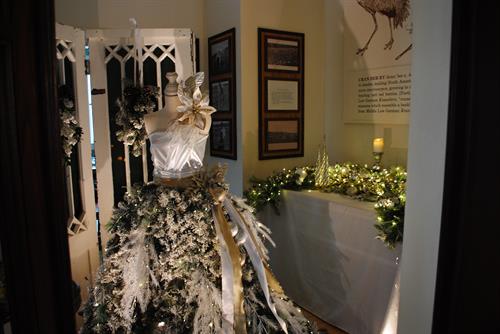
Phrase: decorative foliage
(162, 269)
(71, 132)
(386, 187)
(135, 103)
(268, 191)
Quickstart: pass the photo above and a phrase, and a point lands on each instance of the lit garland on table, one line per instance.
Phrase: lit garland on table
(386, 187)
(136, 102)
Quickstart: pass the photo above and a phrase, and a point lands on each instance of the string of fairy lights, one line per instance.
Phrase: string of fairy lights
(384, 187)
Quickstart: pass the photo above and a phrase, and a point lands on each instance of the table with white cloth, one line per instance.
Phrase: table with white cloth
(330, 263)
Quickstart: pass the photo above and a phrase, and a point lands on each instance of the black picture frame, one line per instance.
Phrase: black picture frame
(281, 62)
(222, 87)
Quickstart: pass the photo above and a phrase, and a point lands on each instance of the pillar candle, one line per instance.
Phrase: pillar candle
(378, 145)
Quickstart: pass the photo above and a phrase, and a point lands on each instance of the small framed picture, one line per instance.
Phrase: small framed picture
(281, 94)
(283, 50)
(222, 85)
(282, 54)
(220, 57)
(220, 137)
(220, 95)
(282, 135)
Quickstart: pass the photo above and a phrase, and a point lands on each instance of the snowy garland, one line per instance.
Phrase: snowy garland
(136, 102)
(71, 132)
(162, 269)
(385, 187)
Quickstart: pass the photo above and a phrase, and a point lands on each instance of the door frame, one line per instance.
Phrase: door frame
(33, 227)
(468, 279)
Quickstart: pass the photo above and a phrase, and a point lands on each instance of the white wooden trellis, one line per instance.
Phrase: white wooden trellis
(82, 232)
(64, 50)
(105, 45)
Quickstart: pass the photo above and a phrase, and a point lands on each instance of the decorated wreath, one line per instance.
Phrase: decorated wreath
(136, 102)
(71, 132)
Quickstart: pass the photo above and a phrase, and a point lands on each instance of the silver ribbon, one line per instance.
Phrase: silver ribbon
(255, 255)
(227, 281)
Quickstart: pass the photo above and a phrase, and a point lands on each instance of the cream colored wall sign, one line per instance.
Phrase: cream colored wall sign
(377, 61)
(282, 95)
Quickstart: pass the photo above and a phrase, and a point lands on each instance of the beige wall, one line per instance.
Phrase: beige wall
(109, 14)
(222, 15)
(293, 15)
(116, 13)
(352, 142)
(77, 13)
(322, 23)
(153, 14)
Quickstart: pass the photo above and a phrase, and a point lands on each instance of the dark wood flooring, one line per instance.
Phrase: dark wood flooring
(323, 327)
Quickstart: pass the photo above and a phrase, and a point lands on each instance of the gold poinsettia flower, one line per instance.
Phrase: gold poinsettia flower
(195, 109)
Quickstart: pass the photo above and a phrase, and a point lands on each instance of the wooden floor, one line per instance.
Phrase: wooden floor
(323, 327)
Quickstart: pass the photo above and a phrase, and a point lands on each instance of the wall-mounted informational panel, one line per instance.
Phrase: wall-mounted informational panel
(281, 94)
(377, 59)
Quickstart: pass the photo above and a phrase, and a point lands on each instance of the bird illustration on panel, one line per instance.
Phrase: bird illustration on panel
(396, 11)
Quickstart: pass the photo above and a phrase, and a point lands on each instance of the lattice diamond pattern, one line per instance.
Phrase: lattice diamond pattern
(64, 49)
(123, 53)
(76, 226)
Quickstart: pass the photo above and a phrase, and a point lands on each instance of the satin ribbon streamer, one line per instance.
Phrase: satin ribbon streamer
(257, 257)
(232, 289)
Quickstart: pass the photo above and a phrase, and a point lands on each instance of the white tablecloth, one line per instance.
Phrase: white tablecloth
(329, 262)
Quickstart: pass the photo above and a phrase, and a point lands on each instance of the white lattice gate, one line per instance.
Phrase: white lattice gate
(111, 62)
(82, 234)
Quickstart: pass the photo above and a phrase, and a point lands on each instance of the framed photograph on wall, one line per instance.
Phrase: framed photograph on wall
(222, 86)
(282, 135)
(281, 94)
(220, 95)
(220, 56)
(282, 54)
(220, 139)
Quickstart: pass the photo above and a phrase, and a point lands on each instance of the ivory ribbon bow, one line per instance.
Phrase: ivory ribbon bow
(232, 289)
(195, 109)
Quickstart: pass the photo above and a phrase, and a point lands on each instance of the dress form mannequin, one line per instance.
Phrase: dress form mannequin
(160, 120)
(185, 250)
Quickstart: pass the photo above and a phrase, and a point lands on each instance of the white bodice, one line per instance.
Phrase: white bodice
(177, 152)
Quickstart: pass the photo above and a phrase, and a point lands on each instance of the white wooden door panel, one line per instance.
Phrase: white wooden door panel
(116, 45)
(82, 231)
